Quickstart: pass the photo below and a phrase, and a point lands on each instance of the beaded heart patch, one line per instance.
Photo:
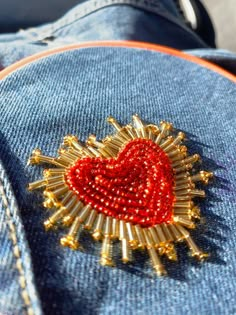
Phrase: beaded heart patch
(136, 186)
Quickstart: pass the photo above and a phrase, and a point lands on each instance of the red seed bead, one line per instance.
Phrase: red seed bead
(136, 186)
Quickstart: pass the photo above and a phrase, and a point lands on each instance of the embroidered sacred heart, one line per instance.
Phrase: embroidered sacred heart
(135, 186)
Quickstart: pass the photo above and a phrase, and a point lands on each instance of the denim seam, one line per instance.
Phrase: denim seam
(16, 253)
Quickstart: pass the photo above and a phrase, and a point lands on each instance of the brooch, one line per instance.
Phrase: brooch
(135, 187)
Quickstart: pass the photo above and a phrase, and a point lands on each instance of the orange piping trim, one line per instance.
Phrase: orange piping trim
(130, 44)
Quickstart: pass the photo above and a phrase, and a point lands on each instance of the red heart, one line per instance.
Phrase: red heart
(136, 186)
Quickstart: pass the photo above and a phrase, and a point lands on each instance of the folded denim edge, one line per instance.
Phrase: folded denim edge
(20, 247)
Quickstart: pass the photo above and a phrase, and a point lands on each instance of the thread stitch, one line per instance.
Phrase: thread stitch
(17, 254)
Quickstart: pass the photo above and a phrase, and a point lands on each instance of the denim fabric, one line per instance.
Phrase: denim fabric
(74, 92)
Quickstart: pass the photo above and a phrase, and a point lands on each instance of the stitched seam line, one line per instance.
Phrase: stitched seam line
(17, 254)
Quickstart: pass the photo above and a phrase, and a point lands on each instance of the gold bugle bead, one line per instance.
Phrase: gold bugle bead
(75, 227)
(180, 137)
(53, 172)
(74, 153)
(104, 153)
(183, 168)
(137, 121)
(164, 130)
(178, 156)
(182, 176)
(115, 228)
(90, 220)
(110, 151)
(183, 192)
(55, 185)
(108, 226)
(122, 230)
(185, 216)
(148, 239)
(57, 215)
(37, 157)
(74, 208)
(182, 230)
(194, 249)
(58, 192)
(108, 141)
(182, 211)
(186, 222)
(182, 198)
(55, 179)
(150, 134)
(184, 187)
(116, 143)
(69, 201)
(120, 138)
(154, 236)
(183, 204)
(132, 237)
(198, 193)
(67, 155)
(98, 226)
(192, 159)
(93, 142)
(106, 252)
(37, 184)
(65, 160)
(86, 152)
(175, 232)
(130, 130)
(160, 234)
(166, 231)
(124, 134)
(175, 153)
(183, 181)
(126, 253)
(166, 143)
(84, 212)
(66, 198)
(111, 120)
(77, 146)
(93, 151)
(140, 236)
(165, 127)
(141, 130)
(157, 265)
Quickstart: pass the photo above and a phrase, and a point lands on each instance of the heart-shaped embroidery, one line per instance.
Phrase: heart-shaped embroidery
(137, 186)
(134, 186)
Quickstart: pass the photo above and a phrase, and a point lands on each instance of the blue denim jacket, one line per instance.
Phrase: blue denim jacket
(73, 92)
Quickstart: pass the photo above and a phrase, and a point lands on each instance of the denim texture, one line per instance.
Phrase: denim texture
(73, 93)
